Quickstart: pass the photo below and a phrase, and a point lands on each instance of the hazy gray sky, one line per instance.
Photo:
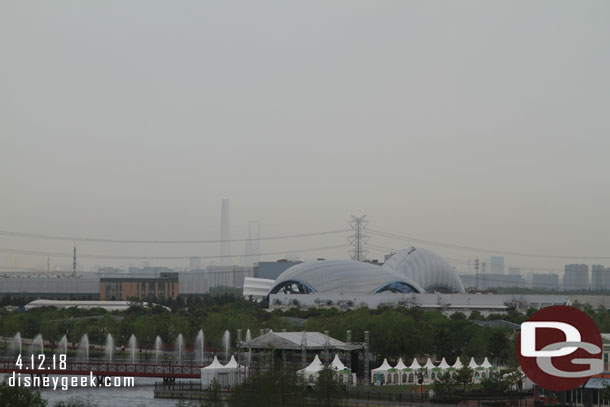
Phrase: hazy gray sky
(473, 122)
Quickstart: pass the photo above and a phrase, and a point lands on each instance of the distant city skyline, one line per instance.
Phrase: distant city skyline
(475, 124)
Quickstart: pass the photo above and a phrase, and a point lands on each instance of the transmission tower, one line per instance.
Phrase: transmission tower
(358, 239)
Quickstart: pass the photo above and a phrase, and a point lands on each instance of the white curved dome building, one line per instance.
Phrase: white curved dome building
(427, 269)
(341, 276)
(408, 271)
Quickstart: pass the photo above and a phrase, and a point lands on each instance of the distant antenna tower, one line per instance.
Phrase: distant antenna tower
(358, 238)
(476, 270)
(74, 262)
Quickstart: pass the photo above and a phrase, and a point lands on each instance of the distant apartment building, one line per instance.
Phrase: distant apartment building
(109, 271)
(150, 270)
(193, 283)
(576, 277)
(272, 269)
(49, 286)
(487, 280)
(496, 265)
(545, 281)
(600, 277)
(501, 281)
(195, 263)
(514, 271)
(125, 287)
(227, 276)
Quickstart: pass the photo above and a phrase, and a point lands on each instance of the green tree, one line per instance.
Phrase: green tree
(16, 396)
(476, 315)
(495, 384)
(463, 376)
(328, 391)
(445, 388)
(49, 329)
(272, 388)
(498, 344)
(514, 376)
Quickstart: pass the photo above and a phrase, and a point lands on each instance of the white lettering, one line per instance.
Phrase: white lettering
(528, 338)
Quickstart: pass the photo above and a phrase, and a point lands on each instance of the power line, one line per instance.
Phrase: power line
(479, 249)
(118, 257)
(104, 240)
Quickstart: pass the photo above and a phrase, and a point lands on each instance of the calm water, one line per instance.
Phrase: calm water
(140, 395)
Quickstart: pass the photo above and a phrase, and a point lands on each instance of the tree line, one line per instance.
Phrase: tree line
(394, 332)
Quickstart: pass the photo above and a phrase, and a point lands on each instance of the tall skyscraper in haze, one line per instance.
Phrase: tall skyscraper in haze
(225, 245)
(497, 264)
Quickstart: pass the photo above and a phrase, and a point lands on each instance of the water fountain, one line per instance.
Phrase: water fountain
(248, 338)
(158, 346)
(37, 345)
(83, 348)
(179, 348)
(62, 347)
(14, 347)
(109, 348)
(226, 340)
(199, 347)
(133, 344)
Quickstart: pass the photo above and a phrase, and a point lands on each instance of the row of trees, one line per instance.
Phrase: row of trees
(394, 332)
(452, 387)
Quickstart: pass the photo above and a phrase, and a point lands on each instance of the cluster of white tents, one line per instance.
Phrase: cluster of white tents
(311, 372)
(227, 375)
(401, 374)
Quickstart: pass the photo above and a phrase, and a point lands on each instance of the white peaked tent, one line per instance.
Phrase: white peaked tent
(400, 365)
(472, 364)
(444, 365)
(429, 365)
(477, 370)
(337, 364)
(415, 365)
(431, 371)
(486, 365)
(232, 364)
(310, 373)
(314, 367)
(458, 364)
(385, 366)
(378, 376)
(402, 372)
(226, 375)
(344, 374)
